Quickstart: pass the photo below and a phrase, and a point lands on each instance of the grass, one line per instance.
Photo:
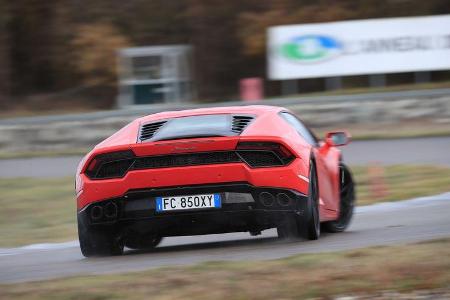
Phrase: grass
(321, 276)
(37, 210)
(52, 153)
(43, 210)
(379, 184)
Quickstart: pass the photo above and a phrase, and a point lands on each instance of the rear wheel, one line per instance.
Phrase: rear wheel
(347, 202)
(308, 225)
(98, 241)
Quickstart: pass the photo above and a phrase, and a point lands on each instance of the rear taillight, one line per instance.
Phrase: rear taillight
(110, 165)
(264, 154)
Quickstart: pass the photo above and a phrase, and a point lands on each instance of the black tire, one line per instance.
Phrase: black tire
(307, 226)
(347, 201)
(98, 241)
(143, 242)
(310, 223)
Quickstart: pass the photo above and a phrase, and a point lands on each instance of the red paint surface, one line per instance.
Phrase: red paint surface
(267, 126)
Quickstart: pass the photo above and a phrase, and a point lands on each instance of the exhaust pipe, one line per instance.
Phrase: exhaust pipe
(267, 199)
(283, 199)
(96, 212)
(111, 210)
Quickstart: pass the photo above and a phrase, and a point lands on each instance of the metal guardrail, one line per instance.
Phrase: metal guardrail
(135, 111)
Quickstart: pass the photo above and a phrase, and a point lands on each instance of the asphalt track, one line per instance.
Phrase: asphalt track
(381, 224)
(433, 150)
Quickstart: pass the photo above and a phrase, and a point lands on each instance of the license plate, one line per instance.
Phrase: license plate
(188, 202)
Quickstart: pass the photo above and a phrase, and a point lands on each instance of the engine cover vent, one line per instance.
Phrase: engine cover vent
(239, 123)
(148, 130)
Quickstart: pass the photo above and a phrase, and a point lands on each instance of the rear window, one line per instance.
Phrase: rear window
(195, 126)
(301, 128)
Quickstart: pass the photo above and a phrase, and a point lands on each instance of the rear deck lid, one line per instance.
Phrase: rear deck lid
(216, 125)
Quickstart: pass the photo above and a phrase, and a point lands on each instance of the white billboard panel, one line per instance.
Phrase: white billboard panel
(359, 47)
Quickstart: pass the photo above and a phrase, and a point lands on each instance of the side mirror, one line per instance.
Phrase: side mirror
(337, 138)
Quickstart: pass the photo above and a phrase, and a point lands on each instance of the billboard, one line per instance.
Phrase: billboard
(359, 47)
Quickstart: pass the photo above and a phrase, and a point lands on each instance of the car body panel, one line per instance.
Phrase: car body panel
(267, 126)
(327, 162)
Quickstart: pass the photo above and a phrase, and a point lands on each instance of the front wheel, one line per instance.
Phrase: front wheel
(347, 201)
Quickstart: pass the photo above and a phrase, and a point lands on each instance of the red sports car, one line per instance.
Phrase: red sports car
(212, 170)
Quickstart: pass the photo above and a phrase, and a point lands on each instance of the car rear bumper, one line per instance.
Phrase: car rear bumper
(244, 208)
(290, 177)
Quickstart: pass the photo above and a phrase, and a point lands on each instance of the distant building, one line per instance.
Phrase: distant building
(156, 74)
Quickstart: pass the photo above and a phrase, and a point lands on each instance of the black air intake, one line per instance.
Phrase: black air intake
(254, 154)
(184, 160)
(100, 168)
(257, 159)
(239, 123)
(148, 130)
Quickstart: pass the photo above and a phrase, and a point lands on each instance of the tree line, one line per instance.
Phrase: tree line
(65, 50)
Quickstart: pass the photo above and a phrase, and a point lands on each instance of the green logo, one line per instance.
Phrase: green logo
(311, 48)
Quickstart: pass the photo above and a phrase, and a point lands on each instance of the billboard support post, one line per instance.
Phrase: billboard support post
(289, 87)
(333, 83)
(422, 77)
(377, 80)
